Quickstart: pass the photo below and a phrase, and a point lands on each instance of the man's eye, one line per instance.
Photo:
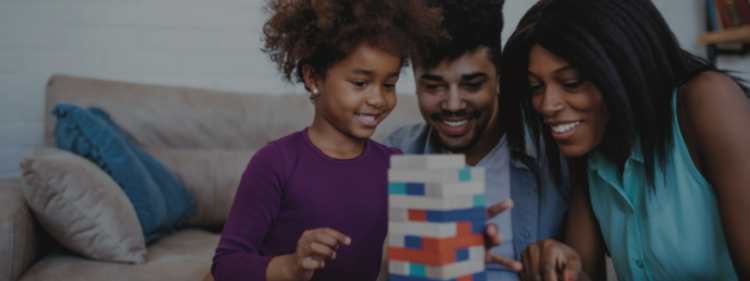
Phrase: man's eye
(473, 85)
(431, 86)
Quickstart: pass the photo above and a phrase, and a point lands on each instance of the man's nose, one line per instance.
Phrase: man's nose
(454, 102)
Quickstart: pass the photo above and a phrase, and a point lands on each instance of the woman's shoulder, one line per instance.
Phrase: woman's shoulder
(710, 85)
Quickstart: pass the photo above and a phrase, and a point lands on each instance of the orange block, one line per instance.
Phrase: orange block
(417, 215)
(466, 278)
(451, 244)
(419, 256)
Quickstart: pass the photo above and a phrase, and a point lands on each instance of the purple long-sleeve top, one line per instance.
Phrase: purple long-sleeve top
(289, 187)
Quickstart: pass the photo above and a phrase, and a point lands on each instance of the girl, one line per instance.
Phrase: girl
(658, 140)
(313, 205)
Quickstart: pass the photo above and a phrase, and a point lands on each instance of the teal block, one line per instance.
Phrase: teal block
(479, 200)
(419, 270)
(397, 188)
(464, 174)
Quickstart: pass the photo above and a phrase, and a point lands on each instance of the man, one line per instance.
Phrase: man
(458, 93)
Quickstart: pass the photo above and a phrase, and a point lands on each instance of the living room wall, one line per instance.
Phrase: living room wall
(212, 44)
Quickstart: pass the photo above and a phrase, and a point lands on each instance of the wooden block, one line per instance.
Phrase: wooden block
(423, 229)
(445, 272)
(397, 214)
(396, 240)
(470, 214)
(438, 204)
(436, 176)
(435, 257)
(481, 276)
(418, 216)
(435, 244)
(428, 162)
(436, 189)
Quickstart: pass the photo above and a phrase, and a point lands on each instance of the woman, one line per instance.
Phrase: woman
(658, 141)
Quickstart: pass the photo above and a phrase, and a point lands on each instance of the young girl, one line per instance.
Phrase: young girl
(659, 141)
(313, 205)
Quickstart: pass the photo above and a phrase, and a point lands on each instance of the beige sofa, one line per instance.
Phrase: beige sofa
(204, 137)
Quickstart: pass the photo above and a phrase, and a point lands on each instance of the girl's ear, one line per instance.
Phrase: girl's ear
(311, 79)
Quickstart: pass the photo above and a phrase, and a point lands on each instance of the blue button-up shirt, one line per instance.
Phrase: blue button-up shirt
(540, 205)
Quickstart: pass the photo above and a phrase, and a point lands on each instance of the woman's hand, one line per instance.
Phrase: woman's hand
(313, 248)
(550, 260)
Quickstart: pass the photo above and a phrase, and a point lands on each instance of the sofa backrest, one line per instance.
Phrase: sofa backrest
(206, 138)
(185, 118)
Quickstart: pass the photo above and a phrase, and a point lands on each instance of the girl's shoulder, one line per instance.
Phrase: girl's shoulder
(383, 149)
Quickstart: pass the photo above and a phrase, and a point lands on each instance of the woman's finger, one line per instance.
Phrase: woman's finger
(504, 261)
(526, 264)
(535, 268)
(572, 269)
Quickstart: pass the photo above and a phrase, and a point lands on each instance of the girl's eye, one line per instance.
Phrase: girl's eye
(359, 83)
(390, 86)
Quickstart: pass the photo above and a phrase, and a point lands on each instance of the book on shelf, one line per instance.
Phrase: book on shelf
(722, 7)
(734, 14)
(712, 16)
(744, 8)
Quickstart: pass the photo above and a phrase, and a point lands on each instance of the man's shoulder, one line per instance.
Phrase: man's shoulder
(410, 138)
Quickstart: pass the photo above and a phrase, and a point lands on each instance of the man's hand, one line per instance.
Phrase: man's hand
(551, 260)
(492, 238)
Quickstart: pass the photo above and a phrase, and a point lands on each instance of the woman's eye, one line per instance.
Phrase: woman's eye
(534, 89)
(572, 85)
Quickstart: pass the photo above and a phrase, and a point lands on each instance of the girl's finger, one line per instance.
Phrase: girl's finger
(343, 239)
(326, 239)
(311, 264)
(320, 249)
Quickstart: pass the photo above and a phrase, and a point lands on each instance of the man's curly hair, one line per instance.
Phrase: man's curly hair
(470, 24)
(321, 33)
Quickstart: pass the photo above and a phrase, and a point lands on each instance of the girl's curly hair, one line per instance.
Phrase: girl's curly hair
(321, 33)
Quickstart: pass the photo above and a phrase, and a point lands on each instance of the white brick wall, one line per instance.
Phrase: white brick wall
(212, 44)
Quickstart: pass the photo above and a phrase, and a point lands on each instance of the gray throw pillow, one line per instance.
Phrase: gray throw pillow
(82, 207)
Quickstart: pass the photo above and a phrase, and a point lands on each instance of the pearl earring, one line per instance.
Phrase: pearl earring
(315, 91)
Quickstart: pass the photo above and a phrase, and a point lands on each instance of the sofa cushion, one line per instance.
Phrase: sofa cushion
(18, 244)
(186, 255)
(210, 176)
(161, 202)
(81, 207)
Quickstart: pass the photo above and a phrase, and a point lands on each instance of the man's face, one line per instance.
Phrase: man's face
(458, 99)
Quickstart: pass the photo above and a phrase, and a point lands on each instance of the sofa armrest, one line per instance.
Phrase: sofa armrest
(17, 231)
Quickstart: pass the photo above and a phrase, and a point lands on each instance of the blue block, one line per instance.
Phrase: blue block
(462, 254)
(396, 277)
(464, 175)
(477, 226)
(479, 276)
(472, 214)
(415, 189)
(419, 270)
(396, 188)
(413, 242)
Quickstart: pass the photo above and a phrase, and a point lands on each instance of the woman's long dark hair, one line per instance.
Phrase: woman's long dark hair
(625, 48)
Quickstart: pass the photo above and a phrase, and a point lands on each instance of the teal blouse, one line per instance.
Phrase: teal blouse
(672, 233)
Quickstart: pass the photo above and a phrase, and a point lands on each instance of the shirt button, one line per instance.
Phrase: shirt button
(639, 263)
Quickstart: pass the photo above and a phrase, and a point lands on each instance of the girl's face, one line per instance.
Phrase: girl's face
(359, 92)
(569, 104)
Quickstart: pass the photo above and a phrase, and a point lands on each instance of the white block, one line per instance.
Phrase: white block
(431, 203)
(398, 267)
(476, 253)
(433, 176)
(448, 271)
(435, 230)
(396, 240)
(429, 162)
(456, 188)
(398, 214)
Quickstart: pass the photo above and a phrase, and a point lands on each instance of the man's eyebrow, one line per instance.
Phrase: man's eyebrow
(563, 69)
(431, 77)
(473, 76)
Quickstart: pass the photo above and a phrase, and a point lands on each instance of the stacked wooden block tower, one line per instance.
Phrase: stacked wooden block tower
(436, 219)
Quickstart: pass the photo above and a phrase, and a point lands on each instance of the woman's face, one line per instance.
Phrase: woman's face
(358, 92)
(569, 104)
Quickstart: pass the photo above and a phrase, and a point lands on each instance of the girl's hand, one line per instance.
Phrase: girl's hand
(551, 260)
(312, 249)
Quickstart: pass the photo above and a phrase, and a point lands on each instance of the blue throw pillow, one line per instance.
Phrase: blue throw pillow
(160, 201)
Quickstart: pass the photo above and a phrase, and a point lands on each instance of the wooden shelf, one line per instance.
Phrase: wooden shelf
(733, 35)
